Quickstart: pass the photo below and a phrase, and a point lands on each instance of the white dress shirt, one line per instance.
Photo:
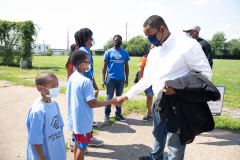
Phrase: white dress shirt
(177, 57)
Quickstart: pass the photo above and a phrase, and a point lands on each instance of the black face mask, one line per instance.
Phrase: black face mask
(117, 43)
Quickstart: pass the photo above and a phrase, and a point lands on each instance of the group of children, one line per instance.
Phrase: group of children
(44, 121)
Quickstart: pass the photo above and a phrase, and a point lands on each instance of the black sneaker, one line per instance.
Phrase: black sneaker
(145, 158)
(147, 118)
(120, 117)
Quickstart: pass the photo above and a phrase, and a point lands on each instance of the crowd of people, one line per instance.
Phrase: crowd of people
(169, 58)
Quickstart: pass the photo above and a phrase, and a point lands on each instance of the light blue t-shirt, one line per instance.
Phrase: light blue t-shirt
(89, 73)
(80, 115)
(44, 126)
(116, 60)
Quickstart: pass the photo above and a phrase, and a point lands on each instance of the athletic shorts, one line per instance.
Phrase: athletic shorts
(82, 139)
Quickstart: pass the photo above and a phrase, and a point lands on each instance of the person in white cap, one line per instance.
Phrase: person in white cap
(193, 32)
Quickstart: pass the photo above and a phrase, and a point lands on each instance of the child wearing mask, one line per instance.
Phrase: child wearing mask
(44, 122)
(81, 101)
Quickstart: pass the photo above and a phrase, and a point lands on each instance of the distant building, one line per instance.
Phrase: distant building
(59, 51)
(40, 48)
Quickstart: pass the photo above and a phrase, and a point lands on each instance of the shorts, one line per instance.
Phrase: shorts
(149, 91)
(82, 139)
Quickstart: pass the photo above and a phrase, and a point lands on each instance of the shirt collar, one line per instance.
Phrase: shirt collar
(86, 48)
(168, 41)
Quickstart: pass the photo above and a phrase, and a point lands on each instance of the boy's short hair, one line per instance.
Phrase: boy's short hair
(78, 57)
(41, 78)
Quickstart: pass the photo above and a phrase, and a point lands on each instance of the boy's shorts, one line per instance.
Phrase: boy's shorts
(82, 139)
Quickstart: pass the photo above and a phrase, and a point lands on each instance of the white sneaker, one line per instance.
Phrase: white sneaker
(70, 144)
(95, 142)
(105, 118)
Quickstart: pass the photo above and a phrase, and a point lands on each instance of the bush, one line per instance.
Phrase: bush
(99, 53)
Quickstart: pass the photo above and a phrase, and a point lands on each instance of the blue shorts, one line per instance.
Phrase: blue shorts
(149, 91)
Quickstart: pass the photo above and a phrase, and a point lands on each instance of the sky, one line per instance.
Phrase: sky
(106, 18)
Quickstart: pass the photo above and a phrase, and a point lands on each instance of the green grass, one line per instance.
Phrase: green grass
(227, 123)
(225, 73)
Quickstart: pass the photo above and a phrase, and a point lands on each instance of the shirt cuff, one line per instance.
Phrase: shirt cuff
(129, 95)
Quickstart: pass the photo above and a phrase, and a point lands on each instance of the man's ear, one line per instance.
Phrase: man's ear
(162, 29)
(39, 88)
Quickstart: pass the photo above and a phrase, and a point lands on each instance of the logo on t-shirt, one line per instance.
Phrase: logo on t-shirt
(118, 56)
(55, 122)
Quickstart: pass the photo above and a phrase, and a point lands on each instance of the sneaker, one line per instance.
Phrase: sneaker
(95, 124)
(86, 151)
(106, 118)
(95, 142)
(120, 117)
(147, 118)
(144, 158)
(70, 144)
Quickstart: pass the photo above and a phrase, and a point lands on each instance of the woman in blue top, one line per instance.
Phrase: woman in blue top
(84, 40)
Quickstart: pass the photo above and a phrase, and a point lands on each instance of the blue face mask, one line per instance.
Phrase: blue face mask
(188, 34)
(154, 40)
(53, 92)
(93, 42)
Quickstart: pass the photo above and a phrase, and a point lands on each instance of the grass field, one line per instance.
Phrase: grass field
(225, 73)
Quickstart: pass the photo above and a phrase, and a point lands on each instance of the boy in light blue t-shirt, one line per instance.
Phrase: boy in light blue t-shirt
(44, 122)
(81, 101)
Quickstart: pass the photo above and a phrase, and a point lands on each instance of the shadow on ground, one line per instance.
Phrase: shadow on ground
(227, 138)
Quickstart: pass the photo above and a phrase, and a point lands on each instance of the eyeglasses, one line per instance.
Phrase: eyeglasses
(85, 62)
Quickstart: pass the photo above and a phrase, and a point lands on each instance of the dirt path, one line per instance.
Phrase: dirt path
(123, 141)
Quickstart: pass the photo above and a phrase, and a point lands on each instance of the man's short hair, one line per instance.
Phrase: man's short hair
(117, 35)
(42, 78)
(78, 57)
(82, 36)
(155, 22)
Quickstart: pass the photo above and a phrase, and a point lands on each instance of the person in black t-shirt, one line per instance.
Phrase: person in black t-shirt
(193, 32)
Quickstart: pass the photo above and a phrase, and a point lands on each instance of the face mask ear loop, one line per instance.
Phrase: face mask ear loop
(160, 40)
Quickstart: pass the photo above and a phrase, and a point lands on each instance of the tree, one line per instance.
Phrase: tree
(49, 52)
(234, 48)
(137, 46)
(62, 53)
(16, 40)
(108, 45)
(218, 44)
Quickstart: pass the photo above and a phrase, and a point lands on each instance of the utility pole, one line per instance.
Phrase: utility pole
(126, 32)
(68, 40)
(43, 46)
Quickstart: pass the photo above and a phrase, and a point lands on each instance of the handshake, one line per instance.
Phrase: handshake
(118, 101)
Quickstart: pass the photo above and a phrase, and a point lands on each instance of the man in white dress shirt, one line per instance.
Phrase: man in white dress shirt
(173, 57)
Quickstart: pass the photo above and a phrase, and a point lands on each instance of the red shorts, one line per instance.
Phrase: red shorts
(82, 139)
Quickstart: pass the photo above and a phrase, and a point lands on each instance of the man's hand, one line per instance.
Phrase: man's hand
(126, 83)
(168, 90)
(96, 93)
(115, 101)
(103, 84)
(122, 99)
